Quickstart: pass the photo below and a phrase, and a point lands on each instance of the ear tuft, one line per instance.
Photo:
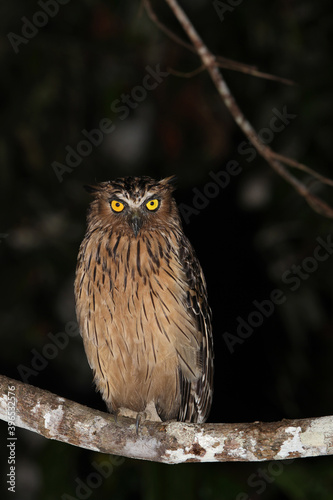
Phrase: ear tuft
(170, 181)
(91, 189)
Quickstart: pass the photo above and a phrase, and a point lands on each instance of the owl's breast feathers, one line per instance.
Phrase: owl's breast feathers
(144, 318)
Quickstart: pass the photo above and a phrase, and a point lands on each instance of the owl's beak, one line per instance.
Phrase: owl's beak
(136, 223)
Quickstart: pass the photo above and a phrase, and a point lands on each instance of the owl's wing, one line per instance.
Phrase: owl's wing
(196, 397)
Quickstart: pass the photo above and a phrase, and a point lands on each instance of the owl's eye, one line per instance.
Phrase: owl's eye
(117, 206)
(152, 205)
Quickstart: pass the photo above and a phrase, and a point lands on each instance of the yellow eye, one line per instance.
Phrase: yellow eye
(117, 206)
(152, 204)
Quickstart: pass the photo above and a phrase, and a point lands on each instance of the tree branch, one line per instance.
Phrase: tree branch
(57, 418)
(210, 62)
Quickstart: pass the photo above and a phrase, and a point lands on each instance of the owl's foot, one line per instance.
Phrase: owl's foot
(149, 413)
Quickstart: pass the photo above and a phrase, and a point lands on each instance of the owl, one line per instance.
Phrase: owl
(141, 304)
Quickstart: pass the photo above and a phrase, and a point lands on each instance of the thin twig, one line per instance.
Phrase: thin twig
(304, 168)
(189, 74)
(250, 70)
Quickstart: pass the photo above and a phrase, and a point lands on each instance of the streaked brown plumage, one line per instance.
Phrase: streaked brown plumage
(141, 304)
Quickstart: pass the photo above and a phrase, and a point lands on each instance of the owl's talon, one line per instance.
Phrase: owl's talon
(137, 422)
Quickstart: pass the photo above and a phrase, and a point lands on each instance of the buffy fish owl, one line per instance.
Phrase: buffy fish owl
(141, 304)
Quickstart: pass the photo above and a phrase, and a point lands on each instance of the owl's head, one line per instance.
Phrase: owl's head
(133, 204)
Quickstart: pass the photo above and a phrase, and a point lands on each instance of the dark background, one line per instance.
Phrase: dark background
(64, 80)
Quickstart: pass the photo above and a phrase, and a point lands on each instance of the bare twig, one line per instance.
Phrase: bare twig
(211, 64)
(304, 168)
(170, 442)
